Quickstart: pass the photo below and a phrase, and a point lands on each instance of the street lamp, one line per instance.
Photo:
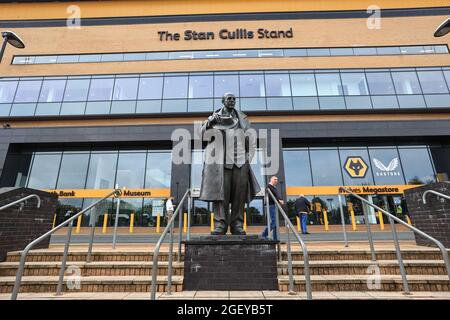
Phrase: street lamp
(443, 29)
(12, 39)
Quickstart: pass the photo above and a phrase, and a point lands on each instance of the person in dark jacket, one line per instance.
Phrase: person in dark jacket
(273, 227)
(302, 209)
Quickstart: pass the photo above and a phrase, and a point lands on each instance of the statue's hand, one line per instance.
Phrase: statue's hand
(213, 119)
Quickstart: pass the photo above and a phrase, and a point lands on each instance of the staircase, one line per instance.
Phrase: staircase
(350, 270)
(108, 272)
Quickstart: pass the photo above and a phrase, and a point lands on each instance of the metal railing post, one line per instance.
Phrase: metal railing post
(180, 234)
(188, 234)
(116, 223)
(266, 196)
(439, 194)
(399, 256)
(343, 221)
(91, 238)
(169, 267)
(289, 256)
(369, 232)
(64, 259)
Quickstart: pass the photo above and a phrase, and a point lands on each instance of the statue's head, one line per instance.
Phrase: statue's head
(229, 100)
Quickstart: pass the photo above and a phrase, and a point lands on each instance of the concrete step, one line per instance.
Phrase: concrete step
(95, 268)
(362, 282)
(361, 267)
(92, 284)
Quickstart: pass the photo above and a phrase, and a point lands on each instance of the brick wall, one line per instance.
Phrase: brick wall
(20, 227)
(230, 265)
(433, 217)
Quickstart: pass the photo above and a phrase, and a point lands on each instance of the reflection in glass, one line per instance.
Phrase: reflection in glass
(44, 171)
(380, 83)
(297, 166)
(329, 84)
(150, 88)
(386, 166)
(102, 171)
(278, 85)
(52, 90)
(224, 84)
(76, 90)
(72, 174)
(158, 172)
(7, 91)
(125, 89)
(28, 91)
(354, 84)
(432, 82)
(131, 170)
(200, 87)
(406, 83)
(101, 89)
(303, 85)
(175, 87)
(417, 165)
(325, 167)
(252, 85)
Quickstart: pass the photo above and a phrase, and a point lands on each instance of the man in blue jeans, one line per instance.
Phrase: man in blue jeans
(302, 209)
(272, 187)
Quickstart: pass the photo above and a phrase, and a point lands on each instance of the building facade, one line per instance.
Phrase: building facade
(360, 96)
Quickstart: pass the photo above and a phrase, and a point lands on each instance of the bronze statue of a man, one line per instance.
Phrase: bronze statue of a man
(229, 183)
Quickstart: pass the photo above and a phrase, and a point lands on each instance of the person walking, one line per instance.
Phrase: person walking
(302, 209)
(169, 209)
(272, 212)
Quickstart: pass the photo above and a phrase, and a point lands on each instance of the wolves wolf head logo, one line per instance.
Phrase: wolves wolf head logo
(356, 167)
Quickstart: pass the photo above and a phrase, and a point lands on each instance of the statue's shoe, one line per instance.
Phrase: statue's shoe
(219, 231)
(238, 231)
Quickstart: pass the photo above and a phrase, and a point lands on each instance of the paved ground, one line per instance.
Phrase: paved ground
(234, 295)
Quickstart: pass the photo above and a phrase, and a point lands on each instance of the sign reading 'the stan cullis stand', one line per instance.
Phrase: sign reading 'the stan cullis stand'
(226, 34)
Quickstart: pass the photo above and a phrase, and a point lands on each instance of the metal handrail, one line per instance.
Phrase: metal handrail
(168, 227)
(431, 191)
(289, 225)
(393, 218)
(22, 200)
(116, 193)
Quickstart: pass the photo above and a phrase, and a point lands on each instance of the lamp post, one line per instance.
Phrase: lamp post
(12, 39)
(443, 29)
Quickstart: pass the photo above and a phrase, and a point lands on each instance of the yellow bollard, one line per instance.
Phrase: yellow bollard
(212, 221)
(54, 221)
(158, 223)
(105, 223)
(352, 216)
(408, 220)
(380, 217)
(325, 219)
(185, 223)
(245, 221)
(132, 223)
(298, 224)
(78, 224)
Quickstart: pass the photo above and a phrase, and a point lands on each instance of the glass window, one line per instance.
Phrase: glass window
(365, 51)
(380, 83)
(76, 90)
(52, 90)
(356, 168)
(90, 57)
(406, 83)
(72, 174)
(28, 91)
(7, 91)
(341, 51)
(252, 85)
(102, 171)
(131, 170)
(386, 166)
(412, 50)
(125, 89)
(226, 83)
(175, 87)
(278, 85)
(200, 87)
(44, 170)
(68, 58)
(325, 167)
(388, 50)
(258, 167)
(101, 89)
(432, 81)
(354, 84)
(417, 165)
(303, 85)
(297, 168)
(446, 74)
(329, 84)
(158, 172)
(150, 88)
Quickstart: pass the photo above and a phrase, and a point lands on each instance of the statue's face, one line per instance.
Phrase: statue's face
(229, 101)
